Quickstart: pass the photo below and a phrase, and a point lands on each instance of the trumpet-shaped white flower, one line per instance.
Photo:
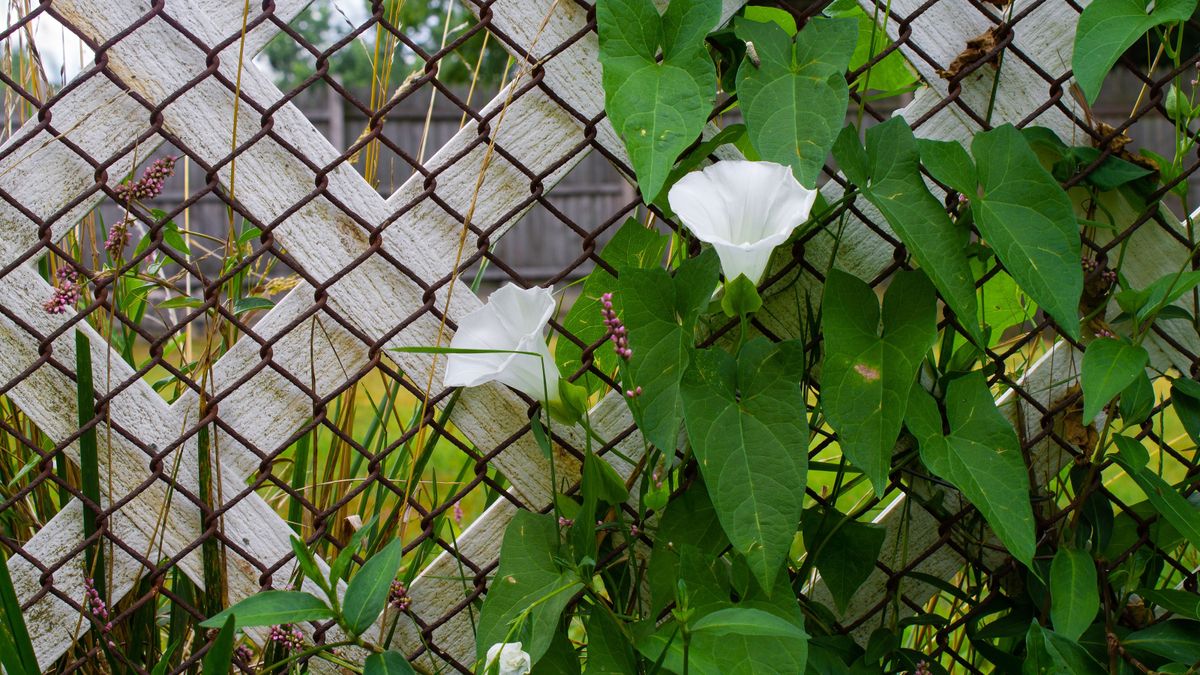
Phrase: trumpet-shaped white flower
(512, 321)
(744, 209)
(509, 658)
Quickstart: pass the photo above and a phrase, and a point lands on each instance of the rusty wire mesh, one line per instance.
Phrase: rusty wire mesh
(429, 524)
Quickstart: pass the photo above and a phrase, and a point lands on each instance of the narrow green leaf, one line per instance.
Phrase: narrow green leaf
(794, 98)
(1029, 222)
(270, 608)
(866, 374)
(981, 457)
(1183, 603)
(89, 463)
(748, 621)
(1177, 640)
(16, 649)
(344, 557)
(387, 663)
(1075, 598)
(367, 592)
(746, 419)
(1053, 654)
(1109, 27)
(180, 302)
(250, 304)
(1171, 505)
(308, 564)
(1109, 366)
(218, 660)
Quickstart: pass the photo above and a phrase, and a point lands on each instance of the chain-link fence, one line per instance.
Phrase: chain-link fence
(247, 375)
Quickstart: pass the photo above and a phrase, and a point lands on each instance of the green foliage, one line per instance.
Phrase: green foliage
(634, 246)
(219, 659)
(1178, 511)
(980, 456)
(270, 608)
(367, 592)
(660, 312)
(867, 373)
(793, 94)
(16, 649)
(387, 663)
(1074, 592)
(888, 174)
(530, 588)
(746, 420)
(844, 551)
(1106, 29)
(657, 107)
(1029, 222)
(1051, 653)
(1109, 366)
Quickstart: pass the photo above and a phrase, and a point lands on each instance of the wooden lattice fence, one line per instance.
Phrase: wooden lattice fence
(377, 273)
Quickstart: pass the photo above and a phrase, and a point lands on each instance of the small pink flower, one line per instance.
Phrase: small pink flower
(286, 636)
(398, 596)
(565, 522)
(66, 293)
(458, 513)
(151, 183)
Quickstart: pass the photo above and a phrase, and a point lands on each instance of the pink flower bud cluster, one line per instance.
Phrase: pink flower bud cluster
(1089, 265)
(616, 329)
(95, 604)
(1105, 333)
(118, 239)
(286, 636)
(66, 292)
(633, 393)
(150, 184)
(458, 513)
(565, 522)
(922, 668)
(398, 596)
(244, 654)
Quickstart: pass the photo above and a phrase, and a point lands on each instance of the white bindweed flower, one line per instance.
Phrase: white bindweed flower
(512, 321)
(744, 209)
(509, 658)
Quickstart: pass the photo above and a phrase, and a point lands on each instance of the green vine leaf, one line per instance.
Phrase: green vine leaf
(529, 591)
(867, 374)
(268, 608)
(1107, 28)
(981, 457)
(387, 663)
(1177, 640)
(1166, 500)
(1053, 654)
(888, 173)
(844, 551)
(660, 312)
(1029, 222)
(1109, 366)
(746, 419)
(657, 107)
(794, 97)
(1073, 592)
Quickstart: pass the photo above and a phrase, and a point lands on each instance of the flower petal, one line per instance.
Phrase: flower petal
(739, 205)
